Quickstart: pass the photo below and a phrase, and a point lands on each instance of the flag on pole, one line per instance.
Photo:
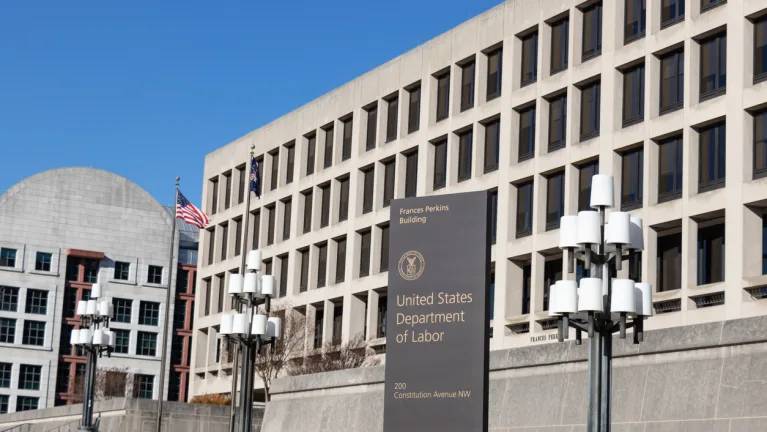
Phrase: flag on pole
(189, 213)
(255, 178)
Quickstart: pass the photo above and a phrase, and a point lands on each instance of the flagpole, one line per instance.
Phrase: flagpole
(243, 254)
(164, 354)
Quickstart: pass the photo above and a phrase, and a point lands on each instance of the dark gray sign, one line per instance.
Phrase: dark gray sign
(436, 323)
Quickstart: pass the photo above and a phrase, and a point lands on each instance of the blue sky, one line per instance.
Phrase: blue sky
(146, 89)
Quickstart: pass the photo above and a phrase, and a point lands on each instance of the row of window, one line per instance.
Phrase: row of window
(23, 403)
(29, 376)
(8, 258)
(36, 300)
(146, 343)
(33, 332)
(149, 311)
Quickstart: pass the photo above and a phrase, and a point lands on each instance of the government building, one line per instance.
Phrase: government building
(527, 100)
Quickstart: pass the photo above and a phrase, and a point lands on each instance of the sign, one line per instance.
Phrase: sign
(436, 324)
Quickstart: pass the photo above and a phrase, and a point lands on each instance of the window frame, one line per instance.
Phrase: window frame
(594, 7)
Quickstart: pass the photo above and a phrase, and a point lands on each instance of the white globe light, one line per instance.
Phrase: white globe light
(251, 283)
(90, 307)
(74, 337)
(227, 322)
(617, 229)
(235, 283)
(590, 296)
(563, 297)
(253, 260)
(259, 325)
(82, 308)
(601, 191)
(267, 285)
(568, 232)
(623, 299)
(589, 227)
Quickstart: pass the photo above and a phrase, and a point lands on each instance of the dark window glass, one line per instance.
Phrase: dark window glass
(711, 157)
(212, 244)
(213, 185)
(325, 206)
(670, 169)
(526, 285)
(526, 133)
(557, 122)
(414, 110)
(3, 404)
(492, 145)
(760, 144)
(122, 309)
(37, 301)
(242, 178)
(713, 66)
(271, 211)
(346, 147)
(493, 209)
(26, 403)
(671, 81)
(467, 85)
(494, 73)
(322, 264)
(552, 272)
(632, 178)
(327, 157)
(311, 149)
(43, 261)
(464, 155)
(371, 127)
(122, 270)
(555, 199)
(9, 298)
(340, 259)
(411, 174)
(367, 190)
(364, 253)
(307, 224)
(529, 59)
(34, 333)
(585, 172)
(146, 344)
(384, 248)
(389, 173)
(635, 20)
(711, 254)
(274, 181)
(5, 375)
(524, 209)
(338, 315)
(633, 95)
(143, 386)
(319, 319)
(7, 330)
(224, 241)
(392, 113)
(284, 275)
(7, 257)
(256, 229)
(382, 310)
(764, 243)
(590, 105)
(708, 4)
(287, 210)
(228, 189)
(443, 96)
(559, 43)
(669, 262)
(303, 284)
(238, 234)
(671, 11)
(440, 164)
(29, 377)
(760, 49)
(149, 313)
(343, 199)
(592, 31)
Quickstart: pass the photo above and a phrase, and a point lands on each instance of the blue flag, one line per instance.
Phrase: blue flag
(255, 178)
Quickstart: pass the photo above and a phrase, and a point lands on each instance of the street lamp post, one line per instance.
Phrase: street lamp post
(600, 304)
(251, 330)
(93, 339)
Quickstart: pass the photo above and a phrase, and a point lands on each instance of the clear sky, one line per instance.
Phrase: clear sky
(147, 88)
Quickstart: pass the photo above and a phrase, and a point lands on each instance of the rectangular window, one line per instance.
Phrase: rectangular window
(340, 259)
(760, 144)
(590, 105)
(382, 310)
(34, 333)
(529, 59)
(411, 174)
(760, 49)
(669, 262)
(311, 150)
(670, 169)
(552, 272)
(555, 200)
(256, 216)
(122, 270)
(635, 20)
(274, 178)
(384, 264)
(633, 95)
(7, 330)
(585, 172)
(526, 285)
(443, 96)
(671, 12)
(37, 301)
(671, 81)
(711, 254)
(213, 186)
(389, 174)
(211, 235)
(270, 216)
(3, 404)
(557, 122)
(592, 31)
(303, 284)
(711, 157)
(29, 377)
(227, 189)
(325, 205)
(371, 127)
(464, 154)
(440, 163)
(713, 66)
(346, 145)
(154, 275)
(9, 298)
(492, 204)
(143, 386)
(146, 344)
(367, 190)
(242, 178)
(122, 341)
(307, 224)
(632, 179)
(494, 73)
(343, 199)
(237, 236)
(392, 113)
(122, 309)
(709, 4)
(764, 243)
(524, 209)
(467, 85)
(338, 315)
(322, 264)
(414, 109)
(224, 228)
(43, 261)
(5, 375)
(284, 275)
(327, 156)
(526, 133)
(319, 319)
(7, 257)
(149, 313)
(26, 403)
(492, 145)
(364, 253)
(559, 45)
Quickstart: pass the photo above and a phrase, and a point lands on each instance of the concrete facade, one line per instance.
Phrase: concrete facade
(519, 318)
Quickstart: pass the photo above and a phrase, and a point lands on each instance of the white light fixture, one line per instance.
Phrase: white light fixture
(253, 260)
(96, 290)
(643, 292)
(111, 339)
(74, 337)
(267, 285)
(590, 298)
(85, 336)
(568, 232)
(227, 322)
(563, 297)
(622, 296)
(588, 228)
(90, 307)
(601, 191)
(98, 337)
(617, 230)
(637, 240)
(259, 325)
(274, 327)
(103, 307)
(240, 324)
(251, 283)
(235, 283)
(82, 308)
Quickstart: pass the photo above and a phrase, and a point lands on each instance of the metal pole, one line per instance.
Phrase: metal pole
(86, 423)
(247, 386)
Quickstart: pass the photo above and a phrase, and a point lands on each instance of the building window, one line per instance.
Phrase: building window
(284, 262)
(494, 73)
(585, 172)
(144, 386)
(414, 109)
(307, 223)
(711, 254)
(671, 81)
(559, 45)
(26, 403)
(5, 375)
(590, 105)
(319, 320)
(274, 178)
(303, 283)
(371, 126)
(389, 173)
(592, 31)
(443, 95)
(524, 209)
(325, 205)
(237, 222)
(632, 178)
(241, 180)
(9, 298)
(212, 244)
(633, 95)
(149, 313)
(670, 169)
(340, 259)
(709, 4)
(467, 85)
(343, 199)
(227, 189)
(552, 272)
(271, 211)
(384, 263)
(346, 145)
(311, 150)
(322, 264)
(34, 333)
(7, 330)
(29, 377)
(760, 49)
(464, 154)
(146, 344)
(555, 199)
(37, 301)
(713, 66)
(440, 164)
(224, 228)
(492, 208)
(338, 315)
(43, 261)
(492, 145)
(557, 122)
(122, 341)
(764, 243)
(671, 12)
(3, 404)
(382, 310)
(711, 157)
(411, 174)
(7, 257)
(364, 253)
(526, 133)
(122, 270)
(635, 20)
(760, 144)
(367, 189)
(213, 186)
(669, 262)
(392, 113)
(529, 59)
(154, 275)
(122, 309)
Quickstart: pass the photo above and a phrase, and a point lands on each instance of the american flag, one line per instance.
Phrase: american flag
(255, 178)
(189, 213)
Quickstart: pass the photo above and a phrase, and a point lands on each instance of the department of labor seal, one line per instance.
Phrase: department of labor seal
(411, 265)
